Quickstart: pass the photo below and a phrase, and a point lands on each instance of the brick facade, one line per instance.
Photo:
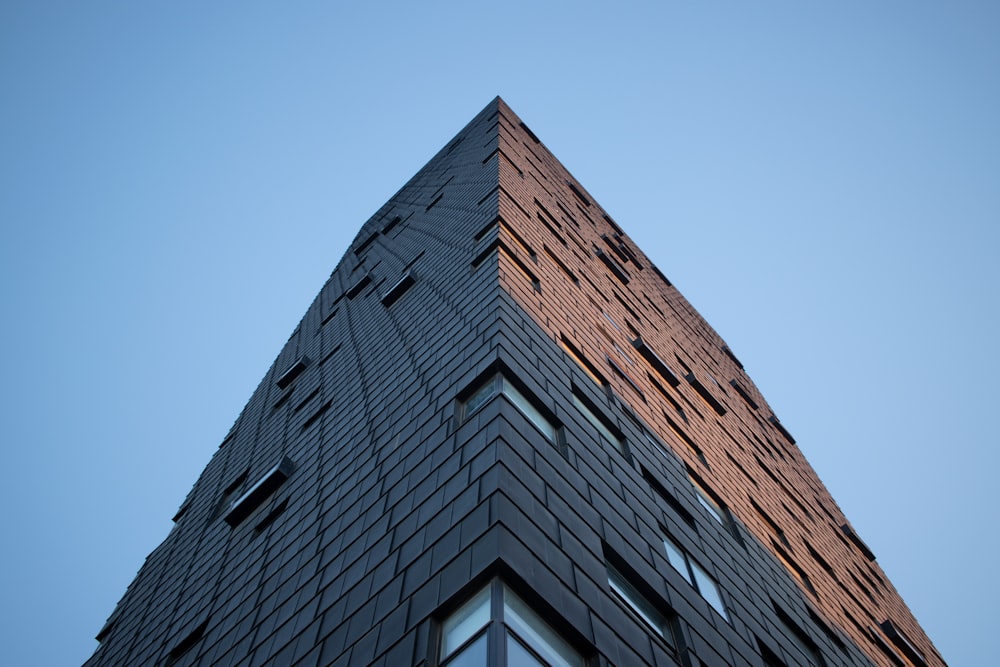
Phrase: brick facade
(377, 479)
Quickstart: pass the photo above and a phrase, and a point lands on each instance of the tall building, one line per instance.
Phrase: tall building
(500, 435)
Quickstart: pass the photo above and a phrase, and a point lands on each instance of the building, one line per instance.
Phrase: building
(500, 431)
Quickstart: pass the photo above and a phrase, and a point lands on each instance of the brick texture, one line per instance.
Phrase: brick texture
(351, 507)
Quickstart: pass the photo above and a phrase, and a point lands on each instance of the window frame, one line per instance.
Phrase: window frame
(504, 623)
(498, 382)
(692, 568)
(640, 607)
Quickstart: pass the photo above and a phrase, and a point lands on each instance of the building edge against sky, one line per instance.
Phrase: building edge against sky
(499, 429)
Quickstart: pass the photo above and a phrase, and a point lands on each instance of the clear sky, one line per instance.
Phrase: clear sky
(177, 180)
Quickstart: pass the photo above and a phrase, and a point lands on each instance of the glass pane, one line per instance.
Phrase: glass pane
(639, 604)
(708, 503)
(473, 655)
(518, 656)
(596, 421)
(525, 406)
(480, 397)
(536, 633)
(677, 558)
(465, 622)
(709, 589)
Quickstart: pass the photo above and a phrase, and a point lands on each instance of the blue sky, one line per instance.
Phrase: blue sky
(178, 179)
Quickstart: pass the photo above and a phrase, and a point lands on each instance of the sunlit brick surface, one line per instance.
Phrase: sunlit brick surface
(352, 507)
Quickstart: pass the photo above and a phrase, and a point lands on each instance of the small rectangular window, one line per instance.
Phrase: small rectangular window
(639, 605)
(360, 249)
(700, 389)
(613, 266)
(607, 431)
(293, 372)
(243, 506)
(857, 541)
(714, 506)
(582, 361)
(497, 384)
(695, 575)
(656, 362)
(358, 287)
(903, 642)
(399, 289)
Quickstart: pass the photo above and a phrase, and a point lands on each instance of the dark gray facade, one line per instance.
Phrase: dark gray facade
(496, 390)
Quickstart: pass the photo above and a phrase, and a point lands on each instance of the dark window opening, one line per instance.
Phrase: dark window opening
(614, 267)
(857, 541)
(434, 203)
(293, 372)
(743, 394)
(654, 360)
(729, 353)
(391, 224)
(781, 429)
(565, 269)
(705, 394)
(531, 134)
(579, 195)
(358, 286)
(639, 599)
(897, 637)
(242, 507)
(399, 289)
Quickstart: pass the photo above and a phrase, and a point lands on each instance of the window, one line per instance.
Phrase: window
(243, 506)
(695, 575)
(639, 605)
(714, 506)
(496, 622)
(497, 384)
(293, 372)
(598, 422)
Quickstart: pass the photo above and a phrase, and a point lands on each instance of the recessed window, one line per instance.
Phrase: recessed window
(714, 506)
(639, 605)
(293, 372)
(497, 384)
(497, 627)
(398, 289)
(695, 575)
(598, 422)
(582, 361)
(243, 506)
